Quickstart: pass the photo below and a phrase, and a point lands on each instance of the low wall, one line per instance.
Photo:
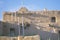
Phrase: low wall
(36, 37)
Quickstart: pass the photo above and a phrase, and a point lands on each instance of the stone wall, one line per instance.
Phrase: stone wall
(39, 23)
(36, 37)
(1, 26)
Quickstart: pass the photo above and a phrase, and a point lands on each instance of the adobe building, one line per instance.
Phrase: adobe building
(45, 23)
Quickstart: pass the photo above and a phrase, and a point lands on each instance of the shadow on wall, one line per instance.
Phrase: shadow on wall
(30, 31)
(44, 35)
(9, 28)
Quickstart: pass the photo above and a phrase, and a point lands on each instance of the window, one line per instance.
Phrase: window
(12, 31)
(53, 19)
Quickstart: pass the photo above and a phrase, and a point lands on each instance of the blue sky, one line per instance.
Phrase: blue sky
(14, 5)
